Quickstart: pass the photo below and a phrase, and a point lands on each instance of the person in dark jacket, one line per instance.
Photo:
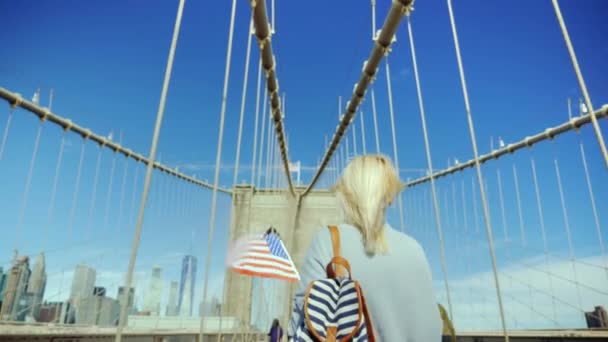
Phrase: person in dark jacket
(276, 332)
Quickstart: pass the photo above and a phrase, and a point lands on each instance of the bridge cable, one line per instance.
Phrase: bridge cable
(363, 142)
(260, 19)
(255, 124)
(262, 133)
(467, 245)
(520, 219)
(596, 220)
(217, 165)
(566, 223)
(479, 175)
(109, 194)
(76, 188)
(394, 136)
(381, 46)
(375, 117)
(581, 81)
(542, 229)
(506, 238)
(269, 139)
(243, 98)
(94, 192)
(121, 201)
(428, 157)
(49, 215)
(142, 207)
(6, 130)
(354, 129)
(133, 193)
(28, 182)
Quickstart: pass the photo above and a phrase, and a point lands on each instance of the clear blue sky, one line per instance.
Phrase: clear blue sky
(106, 60)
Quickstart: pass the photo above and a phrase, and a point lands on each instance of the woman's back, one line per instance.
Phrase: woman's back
(397, 285)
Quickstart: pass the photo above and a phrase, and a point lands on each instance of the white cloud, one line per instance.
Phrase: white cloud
(529, 295)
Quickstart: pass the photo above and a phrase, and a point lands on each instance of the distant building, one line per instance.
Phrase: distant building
(130, 301)
(597, 318)
(99, 291)
(16, 284)
(98, 310)
(152, 300)
(210, 308)
(54, 312)
(83, 282)
(172, 303)
(2, 285)
(23, 308)
(187, 286)
(37, 285)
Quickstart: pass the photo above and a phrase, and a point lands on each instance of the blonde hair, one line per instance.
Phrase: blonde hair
(368, 186)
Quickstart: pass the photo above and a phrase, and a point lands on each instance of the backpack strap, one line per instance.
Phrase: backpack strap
(332, 269)
(368, 321)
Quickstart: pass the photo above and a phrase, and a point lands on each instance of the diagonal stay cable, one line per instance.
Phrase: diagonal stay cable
(380, 49)
(262, 32)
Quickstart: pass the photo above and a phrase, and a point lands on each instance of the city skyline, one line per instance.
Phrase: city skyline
(88, 300)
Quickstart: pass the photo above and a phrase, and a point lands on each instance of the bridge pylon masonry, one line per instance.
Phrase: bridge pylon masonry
(253, 211)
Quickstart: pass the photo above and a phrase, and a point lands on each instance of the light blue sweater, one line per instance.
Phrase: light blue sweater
(397, 286)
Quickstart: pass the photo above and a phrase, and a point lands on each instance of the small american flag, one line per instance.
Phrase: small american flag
(265, 256)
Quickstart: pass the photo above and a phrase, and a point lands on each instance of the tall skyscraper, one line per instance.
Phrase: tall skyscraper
(130, 300)
(152, 300)
(16, 284)
(3, 284)
(186, 287)
(83, 282)
(172, 304)
(37, 284)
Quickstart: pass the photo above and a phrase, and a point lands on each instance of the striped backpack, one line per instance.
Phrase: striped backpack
(334, 308)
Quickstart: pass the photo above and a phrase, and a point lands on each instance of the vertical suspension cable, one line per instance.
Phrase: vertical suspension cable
(76, 189)
(581, 82)
(94, 192)
(394, 135)
(218, 160)
(109, 194)
(133, 191)
(354, 128)
(507, 240)
(255, 124)
(28, 181)
(49, 215)
(375, 117)
(543, 233)
(373, 19)
(467, 244)
(265, 102)
(428, 158)
(567, 229)
(6, 130)
(149, 168)
(268, 148)
(363, 142)
(243, 98)
(479, 175)
(521, 228)
(122, 194)
(596, 219)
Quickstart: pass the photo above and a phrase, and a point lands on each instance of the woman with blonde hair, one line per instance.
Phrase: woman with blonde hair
(390, 266)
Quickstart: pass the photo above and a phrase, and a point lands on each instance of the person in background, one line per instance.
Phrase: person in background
(390, 266)
(276, 332)
(448, 334)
